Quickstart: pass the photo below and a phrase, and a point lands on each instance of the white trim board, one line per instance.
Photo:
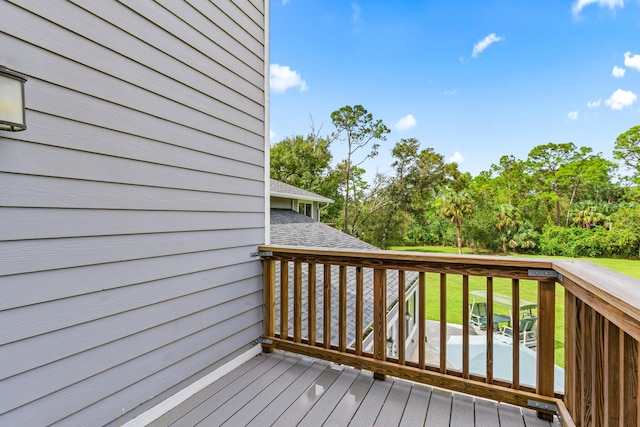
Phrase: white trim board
(180, 397)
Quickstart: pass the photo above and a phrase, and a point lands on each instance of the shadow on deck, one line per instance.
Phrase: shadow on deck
(285, 389)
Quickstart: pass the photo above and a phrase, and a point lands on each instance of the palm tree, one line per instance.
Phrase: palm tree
(507, 222)
(456, 206)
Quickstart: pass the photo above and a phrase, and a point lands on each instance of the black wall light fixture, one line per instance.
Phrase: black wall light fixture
(12, 116)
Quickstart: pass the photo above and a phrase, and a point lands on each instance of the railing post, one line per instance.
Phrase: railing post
(269, 302)
(284, 300)
(631, 392)
(297, 302)
(402, 333)
(326, 313)
(342, 309)
(546, 340)
(379, 317)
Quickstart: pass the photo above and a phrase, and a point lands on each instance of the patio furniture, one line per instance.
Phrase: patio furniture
(478, 316)
(527, 331)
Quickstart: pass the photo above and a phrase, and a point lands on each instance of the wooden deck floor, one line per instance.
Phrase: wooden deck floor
(282, 389)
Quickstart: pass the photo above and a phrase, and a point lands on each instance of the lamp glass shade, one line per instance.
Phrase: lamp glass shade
(12, 115)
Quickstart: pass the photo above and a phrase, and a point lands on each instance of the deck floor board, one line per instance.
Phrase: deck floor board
(282, 389)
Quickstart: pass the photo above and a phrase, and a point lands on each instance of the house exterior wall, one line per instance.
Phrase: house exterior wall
(280, 203)
(131, 204)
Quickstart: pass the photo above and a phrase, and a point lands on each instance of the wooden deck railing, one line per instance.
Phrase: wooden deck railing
(602, 324)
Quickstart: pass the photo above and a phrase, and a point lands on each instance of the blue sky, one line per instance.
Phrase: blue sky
(475, 80)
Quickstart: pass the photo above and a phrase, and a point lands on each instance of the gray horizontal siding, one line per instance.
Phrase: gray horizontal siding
(55, 345)
(27, 224)
(130, 205)
(35, 288)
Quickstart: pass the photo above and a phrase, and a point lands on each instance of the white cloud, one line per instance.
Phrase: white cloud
(272, 135)
(578, 5)
(357, 12)
(618, 72)
(573, 116)
(485, 43)
(456, 158)
(406, 122)
(632, 61)
(450, 92)
(282, 78)
(621, 99)
(594, 104)
(284, 2)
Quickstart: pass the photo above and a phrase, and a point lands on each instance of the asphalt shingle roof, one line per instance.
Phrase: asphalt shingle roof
(293, 229)
(281, 189)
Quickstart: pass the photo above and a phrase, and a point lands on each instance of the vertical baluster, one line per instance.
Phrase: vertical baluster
(284, 300)
(598, 365)
(546, 340)
(631, 391)
(326, 322)
(515, 319)
(422, 315)
(311, 304)
(612, 379)
(443, 323)
(586, 356)
(465, 326)
(489, 330)
(269, 302)
(379, 317)
(342, 309)
(359, 310)
(571, 354)
(401, 317)
(297, 301)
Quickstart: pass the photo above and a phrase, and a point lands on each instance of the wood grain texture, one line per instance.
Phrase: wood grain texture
(326, 318)
(342, 308)
(379, 314)
(311, 304)
(359, 309)
(586, 409)
(515, 319)
(545, 337)
(269, 301)
(613, 381)
(422, 318)
(571, 355)
(631, 363)
(402, 323)
(443, 322)
(489, 347)
(284, 299)
(297, 302)
(605, 290)
(465, 326)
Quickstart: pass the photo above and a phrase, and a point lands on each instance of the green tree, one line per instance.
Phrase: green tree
(584, 171)
(305, 162)
(627, 149)
(456, 206)
(507, 222)
(544, 162)
(357, 128)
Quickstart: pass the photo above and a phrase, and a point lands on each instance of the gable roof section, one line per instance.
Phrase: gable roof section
(281, 189)
(293, 229)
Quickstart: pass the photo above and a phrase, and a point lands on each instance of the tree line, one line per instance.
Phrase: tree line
(562, 200)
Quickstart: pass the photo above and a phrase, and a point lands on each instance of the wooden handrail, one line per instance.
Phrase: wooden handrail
(602, 325)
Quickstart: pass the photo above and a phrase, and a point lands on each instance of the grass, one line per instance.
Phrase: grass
(528, 291)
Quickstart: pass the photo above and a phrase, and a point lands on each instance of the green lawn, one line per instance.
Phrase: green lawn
(528, 291)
